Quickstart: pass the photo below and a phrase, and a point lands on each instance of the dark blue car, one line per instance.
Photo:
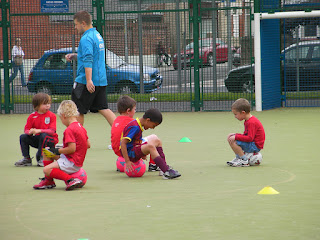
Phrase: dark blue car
(54, 75)
(300, 70)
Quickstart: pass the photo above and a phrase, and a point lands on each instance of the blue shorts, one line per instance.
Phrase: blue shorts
(248, 147)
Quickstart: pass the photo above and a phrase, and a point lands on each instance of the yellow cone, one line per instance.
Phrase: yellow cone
(268, 190)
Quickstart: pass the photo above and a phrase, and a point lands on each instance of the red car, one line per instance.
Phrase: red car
(205, 52)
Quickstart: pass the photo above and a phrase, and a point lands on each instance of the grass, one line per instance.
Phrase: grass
(176, 97)
(209, 201)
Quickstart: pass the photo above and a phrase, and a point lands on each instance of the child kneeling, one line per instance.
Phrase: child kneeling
(70, 158)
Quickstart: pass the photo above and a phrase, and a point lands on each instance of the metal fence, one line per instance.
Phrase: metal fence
(301, 62)
(152, 37)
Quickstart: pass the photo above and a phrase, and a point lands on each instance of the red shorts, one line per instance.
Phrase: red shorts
(135, 153)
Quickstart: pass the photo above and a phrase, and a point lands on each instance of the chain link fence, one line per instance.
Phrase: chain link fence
(151, 51)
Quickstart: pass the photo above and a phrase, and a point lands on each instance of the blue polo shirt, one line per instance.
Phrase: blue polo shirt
(91, 54)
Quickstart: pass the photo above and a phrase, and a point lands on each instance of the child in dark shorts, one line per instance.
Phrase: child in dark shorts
(39, 130)
(133, 149)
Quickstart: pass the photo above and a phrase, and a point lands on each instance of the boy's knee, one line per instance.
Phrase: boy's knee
(23, 137)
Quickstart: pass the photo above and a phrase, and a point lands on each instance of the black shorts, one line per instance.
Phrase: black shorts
(86, 101)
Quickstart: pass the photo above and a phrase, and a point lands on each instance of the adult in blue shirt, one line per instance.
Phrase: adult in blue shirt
(89, 90)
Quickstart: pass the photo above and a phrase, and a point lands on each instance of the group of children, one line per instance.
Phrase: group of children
(126, 140)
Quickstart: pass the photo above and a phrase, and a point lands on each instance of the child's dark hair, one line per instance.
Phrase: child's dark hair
(40, 98)
(124, 103)
(240, 105)
(154, 115)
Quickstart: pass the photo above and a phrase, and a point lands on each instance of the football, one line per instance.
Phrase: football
(255, 159)
(120, 164)
(81, 174)
(139, 169)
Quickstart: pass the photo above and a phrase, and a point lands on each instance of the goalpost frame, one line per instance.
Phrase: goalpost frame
(258, 16)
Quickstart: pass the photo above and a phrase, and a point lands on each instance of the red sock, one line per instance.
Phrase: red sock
(47, 162)
(161, 153)
(58, 174)
(151, 161)
(161, 163)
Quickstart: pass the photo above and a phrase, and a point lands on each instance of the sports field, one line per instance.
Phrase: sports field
(209, 201)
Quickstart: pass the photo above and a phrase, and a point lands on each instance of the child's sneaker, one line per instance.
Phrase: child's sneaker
(170, 174)
(230, 163)
(240, 163)
(153, 167)
(74, 183)
(44, 184)
(23, 162)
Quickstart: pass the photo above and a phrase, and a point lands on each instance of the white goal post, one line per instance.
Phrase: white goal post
(257, 44)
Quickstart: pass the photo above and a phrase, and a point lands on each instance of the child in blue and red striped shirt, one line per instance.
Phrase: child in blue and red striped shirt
(133, 149)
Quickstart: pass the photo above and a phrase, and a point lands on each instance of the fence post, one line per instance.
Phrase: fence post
(99, 4)
(196, 19)
(5, 25)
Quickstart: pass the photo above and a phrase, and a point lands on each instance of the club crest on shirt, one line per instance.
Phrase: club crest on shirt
(47, 120)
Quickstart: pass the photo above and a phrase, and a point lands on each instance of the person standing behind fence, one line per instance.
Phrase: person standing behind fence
(89, 90)
(17, 62)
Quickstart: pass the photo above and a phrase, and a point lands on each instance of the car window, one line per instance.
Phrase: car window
(55, 61)
(291, 54)
(114, 61)
(316, 53)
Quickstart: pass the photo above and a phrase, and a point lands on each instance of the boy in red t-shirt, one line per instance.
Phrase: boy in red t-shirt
(70, 158)
(126, 107)
(40, 128)
(246, 146)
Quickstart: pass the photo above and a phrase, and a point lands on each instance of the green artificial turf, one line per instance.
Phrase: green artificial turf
(209, 201)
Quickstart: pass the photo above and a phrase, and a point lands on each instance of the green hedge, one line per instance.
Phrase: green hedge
(175, 97)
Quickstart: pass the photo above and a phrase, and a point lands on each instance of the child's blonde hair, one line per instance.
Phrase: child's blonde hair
(68, 108)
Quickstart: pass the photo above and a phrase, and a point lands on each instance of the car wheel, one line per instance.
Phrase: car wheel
(44, 88)
(210, 60)
(246, 87)
(126, 88)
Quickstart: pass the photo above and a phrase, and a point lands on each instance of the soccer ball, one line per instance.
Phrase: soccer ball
(255, 159)
(81, 174)
(139, 168)
(120, 164)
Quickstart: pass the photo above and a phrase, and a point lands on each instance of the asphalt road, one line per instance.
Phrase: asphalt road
(171, 83)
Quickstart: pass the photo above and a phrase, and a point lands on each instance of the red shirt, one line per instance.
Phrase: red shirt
(75, 133)
(47, 122)
(253, 132)
(116, 131)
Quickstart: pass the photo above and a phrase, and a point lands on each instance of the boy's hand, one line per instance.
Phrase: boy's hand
(50, 152)
(129, 166)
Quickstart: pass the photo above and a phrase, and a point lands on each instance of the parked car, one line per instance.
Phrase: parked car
(307, 61)
(205, 52)
(54, 75)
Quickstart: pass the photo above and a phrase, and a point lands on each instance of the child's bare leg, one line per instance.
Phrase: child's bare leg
(108, 115)
(235, 147)
(53, 171)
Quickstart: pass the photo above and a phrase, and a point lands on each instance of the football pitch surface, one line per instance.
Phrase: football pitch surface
(209, 201)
